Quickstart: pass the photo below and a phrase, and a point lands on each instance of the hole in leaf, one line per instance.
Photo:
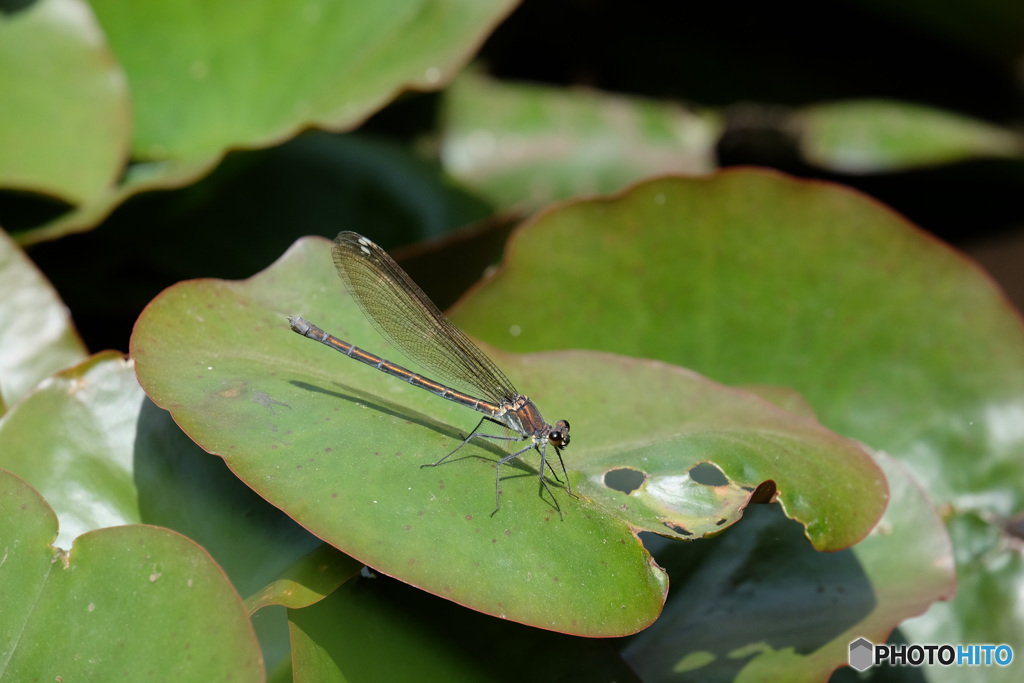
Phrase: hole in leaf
(624, 479)
(764, 493)
(677, 528)
(707, 474)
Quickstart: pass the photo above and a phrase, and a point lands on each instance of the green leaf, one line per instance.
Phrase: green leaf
(879, 136)
(337, 445)
(755, 278)
(72, 439)
(527, 145)
(759, 603)
(133, 602)
(36, 334)
(205, 77)
(65, 120)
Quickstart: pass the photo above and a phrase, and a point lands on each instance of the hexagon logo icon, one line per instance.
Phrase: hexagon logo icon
(862, 654)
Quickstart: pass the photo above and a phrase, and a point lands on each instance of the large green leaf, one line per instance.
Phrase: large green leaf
(65, 120)
(207, 75)
(337, 445)
(36, 334)
(754, 278)
(135, 602)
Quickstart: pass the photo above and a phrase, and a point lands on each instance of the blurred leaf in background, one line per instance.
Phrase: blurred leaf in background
(59, 78)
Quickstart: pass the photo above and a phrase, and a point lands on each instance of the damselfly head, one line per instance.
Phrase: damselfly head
(559, 436)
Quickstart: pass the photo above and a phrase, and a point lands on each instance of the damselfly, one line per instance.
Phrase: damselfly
(403, 315)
